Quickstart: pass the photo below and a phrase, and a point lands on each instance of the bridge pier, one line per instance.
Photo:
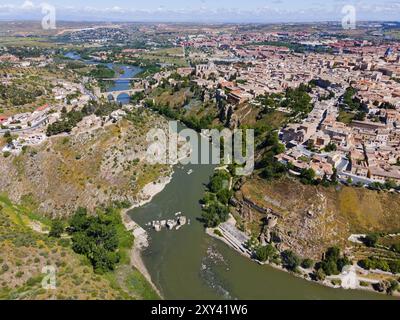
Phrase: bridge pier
(116, 94)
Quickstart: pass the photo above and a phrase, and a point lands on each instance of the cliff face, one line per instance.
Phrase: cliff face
(313, 218)
(83, 169)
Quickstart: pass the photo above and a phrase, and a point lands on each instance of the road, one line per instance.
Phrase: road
(25, 130)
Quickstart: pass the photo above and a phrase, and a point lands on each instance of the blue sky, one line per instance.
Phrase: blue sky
(203, 10)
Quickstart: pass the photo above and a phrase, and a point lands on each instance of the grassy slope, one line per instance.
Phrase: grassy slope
(85, 170)
(23, 253)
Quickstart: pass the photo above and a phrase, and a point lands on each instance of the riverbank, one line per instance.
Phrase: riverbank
(349, 279)
(141, 240)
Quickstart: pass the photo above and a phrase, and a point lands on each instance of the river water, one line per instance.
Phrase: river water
(123, 72)
(189, 264)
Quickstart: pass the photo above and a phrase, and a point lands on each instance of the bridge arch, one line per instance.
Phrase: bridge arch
(116, 94)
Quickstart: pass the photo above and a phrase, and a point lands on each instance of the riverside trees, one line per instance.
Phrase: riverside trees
(96, 237)
(216, 209)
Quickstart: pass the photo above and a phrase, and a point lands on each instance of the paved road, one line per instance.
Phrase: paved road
(31, 128)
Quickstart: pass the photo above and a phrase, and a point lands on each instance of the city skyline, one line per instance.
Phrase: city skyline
(257, 11)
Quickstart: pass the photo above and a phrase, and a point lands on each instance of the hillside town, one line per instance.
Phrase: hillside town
(77, 111)
(242, 67)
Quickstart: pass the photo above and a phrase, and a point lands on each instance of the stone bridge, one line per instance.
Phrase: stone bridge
(115, 94)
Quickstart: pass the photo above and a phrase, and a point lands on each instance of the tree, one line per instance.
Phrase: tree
(224, 196)
(307, 176)
(333, 262)
(215, 214)
(396, 247)
(307, 264)
(370, 240)
(9, 140)
(330, 267)
(330, 147)
(320, 275)
(96, 237)
(290, 260)
(219, 182)
(57, 229)
(265, 253)
(360, 116)
(393, 287)
(394, 266)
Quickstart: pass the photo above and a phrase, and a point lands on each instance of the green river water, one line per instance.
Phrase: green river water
(189, 264)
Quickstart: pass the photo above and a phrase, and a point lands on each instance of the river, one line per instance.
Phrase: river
(123, 72)
(189, 264)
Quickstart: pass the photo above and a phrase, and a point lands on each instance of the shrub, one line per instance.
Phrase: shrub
(336, 282)
(290, 260)
(57, 229)
(333, 262)
(218, 233)
(396, 247)
(307, 264)
(370, 240)
(265, 253)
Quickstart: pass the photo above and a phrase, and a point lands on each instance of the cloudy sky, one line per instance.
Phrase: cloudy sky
(202, 10)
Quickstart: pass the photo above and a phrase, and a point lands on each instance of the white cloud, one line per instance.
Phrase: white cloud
(271, 11)
(28, 5)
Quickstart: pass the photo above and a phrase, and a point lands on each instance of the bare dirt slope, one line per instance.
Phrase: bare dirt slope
(314, 218)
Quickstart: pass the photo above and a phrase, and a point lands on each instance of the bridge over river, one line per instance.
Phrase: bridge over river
(116, 94)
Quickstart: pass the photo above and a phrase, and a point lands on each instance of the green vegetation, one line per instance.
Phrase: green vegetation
(266, 253)
(57, 229)
(350, 99)
(373, 263)
(290, 260)
(351, 108)
(388, 185)
(101, 71)
(333, 262)
(297, 100)
(307, 176)
(96, 237)
(215, 202)
(193, 122)
(345, 116)
(218, 233)
(66, 124)
(24, 252)
(70, 119)
(16, 96)
(395, 247)
(371, 240)
(272, 169)
(330, 147)
(307, 263)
